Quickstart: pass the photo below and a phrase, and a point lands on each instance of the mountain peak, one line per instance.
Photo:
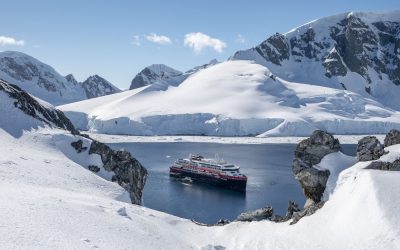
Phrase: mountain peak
(153, 73)
(96, 86)
(70, 78)
(357, 51)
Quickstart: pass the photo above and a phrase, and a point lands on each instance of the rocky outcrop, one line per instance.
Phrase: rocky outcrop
(274, 49)
(383, 165)
(309, 210)
(32, 107)
(70, 78)
(292, 208)
(78, 146)
(264, 213)
(94, 168)
(334, 65)
(369, 148)
(128, 172)
(392, 138)
(310, 152)
(152, 74)
(96, 86)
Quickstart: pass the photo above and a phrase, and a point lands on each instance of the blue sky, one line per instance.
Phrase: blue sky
(116, 39)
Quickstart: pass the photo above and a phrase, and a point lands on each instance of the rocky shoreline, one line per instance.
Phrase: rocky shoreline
(313, 180)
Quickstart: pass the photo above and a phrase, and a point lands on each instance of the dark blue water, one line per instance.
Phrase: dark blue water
(267, 166)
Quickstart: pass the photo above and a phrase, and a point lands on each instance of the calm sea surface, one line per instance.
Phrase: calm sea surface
(267, 166)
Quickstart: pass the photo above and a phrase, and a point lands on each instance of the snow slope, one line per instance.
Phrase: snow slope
(233, 98)
(50, 201)
(54, 203)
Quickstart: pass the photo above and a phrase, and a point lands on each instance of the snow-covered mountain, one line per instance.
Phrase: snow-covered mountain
(338, 73)
(359, 52)
(233, 98)
(96, 86)
(153, 73)
(42, 81)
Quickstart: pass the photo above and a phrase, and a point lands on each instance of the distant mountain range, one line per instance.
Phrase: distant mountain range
(42, 81)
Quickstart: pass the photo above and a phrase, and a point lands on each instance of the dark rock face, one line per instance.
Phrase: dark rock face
(78, 146)
(369, 148)
(264, 213)
(94, 168)
(334, 64)
(31, 107)
(392, 138)
(128, 172)
(70, 78)
(153, 73)
(351, 35)
(310, 152)
(96, 86)
(349, 43)
(274, 49)
(382, 165)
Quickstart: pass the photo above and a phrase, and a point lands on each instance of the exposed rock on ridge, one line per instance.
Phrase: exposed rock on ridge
(309, 153)
(128, 172)
(369, 148)
(31, 107)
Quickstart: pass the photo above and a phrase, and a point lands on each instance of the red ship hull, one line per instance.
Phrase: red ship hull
(231, 182)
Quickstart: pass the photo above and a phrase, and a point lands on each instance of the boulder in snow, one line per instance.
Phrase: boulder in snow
(256, 215)
(128, 172)
(392, 138)
(369, 148)
(94, 168)
(78, 146)
(308, 154)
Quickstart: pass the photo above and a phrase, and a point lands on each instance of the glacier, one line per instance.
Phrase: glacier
(233, 98)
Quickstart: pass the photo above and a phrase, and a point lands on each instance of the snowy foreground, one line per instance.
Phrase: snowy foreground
(49, 201)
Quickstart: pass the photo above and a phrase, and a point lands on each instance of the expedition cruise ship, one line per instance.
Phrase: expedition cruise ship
(213, 171)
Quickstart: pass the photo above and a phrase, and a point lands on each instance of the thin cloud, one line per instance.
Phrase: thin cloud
(199, 41)
(241, 39)
(5, 41)
(160, 39)
(136, 40)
